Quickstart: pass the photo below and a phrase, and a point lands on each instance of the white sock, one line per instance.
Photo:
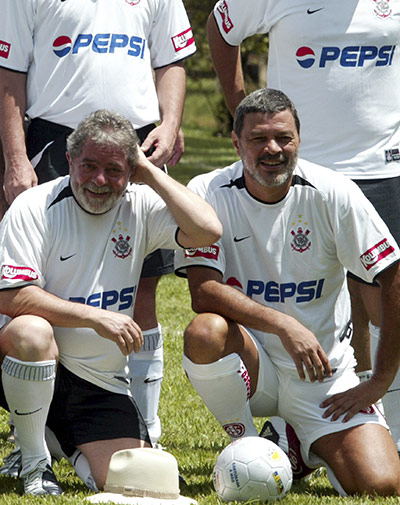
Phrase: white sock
(53, 444)
(391, 400)
(280, 426)
(224, 387)
(146, 374)
(28, 388)
(391, 405)
(82, 468)
(335, 483)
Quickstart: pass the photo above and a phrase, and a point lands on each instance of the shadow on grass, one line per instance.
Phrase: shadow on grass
(313, 486)
(10, 485)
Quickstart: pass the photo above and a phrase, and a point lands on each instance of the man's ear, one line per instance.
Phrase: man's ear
(235, 141)
(69, 159)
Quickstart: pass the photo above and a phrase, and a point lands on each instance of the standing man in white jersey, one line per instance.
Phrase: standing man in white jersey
(71, 257)
(338, 62)
(272, 334)
(59, 61)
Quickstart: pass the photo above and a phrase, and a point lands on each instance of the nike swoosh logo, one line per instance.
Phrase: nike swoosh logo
(148, 380)
(235, 239)
(26, 413)
(65, 258)
(312, 11)
(125, 380)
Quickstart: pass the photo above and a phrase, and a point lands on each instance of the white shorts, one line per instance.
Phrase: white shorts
(297, 402)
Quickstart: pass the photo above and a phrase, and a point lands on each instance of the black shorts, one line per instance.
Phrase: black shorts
(82, 412)
(384, 194)
(53, 163)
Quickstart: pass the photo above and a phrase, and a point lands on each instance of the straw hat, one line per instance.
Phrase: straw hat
(142, 477)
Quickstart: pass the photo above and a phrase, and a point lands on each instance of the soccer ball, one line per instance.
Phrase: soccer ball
(252, 468)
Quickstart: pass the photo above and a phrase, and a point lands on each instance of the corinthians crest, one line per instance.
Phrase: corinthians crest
(122, 247)
(300, 242)
(382, 8)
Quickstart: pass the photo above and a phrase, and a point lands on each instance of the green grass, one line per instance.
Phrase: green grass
(190, 432)
(204, 151)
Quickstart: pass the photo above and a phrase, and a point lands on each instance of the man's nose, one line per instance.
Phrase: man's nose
(99, 177)
(272, 147)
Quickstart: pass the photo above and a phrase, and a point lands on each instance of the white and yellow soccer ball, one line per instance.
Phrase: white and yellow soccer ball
(252, 468)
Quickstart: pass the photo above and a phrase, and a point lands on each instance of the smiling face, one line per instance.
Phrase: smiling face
(268, 146)
(99, 176)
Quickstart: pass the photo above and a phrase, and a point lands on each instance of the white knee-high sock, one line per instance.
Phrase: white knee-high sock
(224, 387)
(280, 426)
(146, 374)
(28, 388)
(82, 468)
(335, 483)
(391, 400)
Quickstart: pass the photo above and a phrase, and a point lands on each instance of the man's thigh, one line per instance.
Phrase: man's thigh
(99, 453)
(360, 456)
(299, 405)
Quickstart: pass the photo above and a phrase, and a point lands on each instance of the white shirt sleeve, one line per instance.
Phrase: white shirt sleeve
(364, 243)
(16, 29)
(212, 256)
(23, 238)
(171, 37)
(238, 20)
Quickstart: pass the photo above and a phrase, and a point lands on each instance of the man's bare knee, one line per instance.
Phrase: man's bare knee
(205, 338)
(363, 458)
(29, 338)
(382, 485)
(374, 482)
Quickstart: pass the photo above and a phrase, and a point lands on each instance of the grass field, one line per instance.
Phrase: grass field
(189, 430)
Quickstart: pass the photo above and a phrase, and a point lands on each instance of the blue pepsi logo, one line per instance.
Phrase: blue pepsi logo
(62, 46)
(305, 57)
(101, 43)
(274, 292)
(348, 56)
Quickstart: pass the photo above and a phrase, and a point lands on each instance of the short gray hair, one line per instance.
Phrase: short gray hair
(107, 128)
(265, 100)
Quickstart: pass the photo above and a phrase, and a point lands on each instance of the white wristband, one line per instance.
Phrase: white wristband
(364, 375)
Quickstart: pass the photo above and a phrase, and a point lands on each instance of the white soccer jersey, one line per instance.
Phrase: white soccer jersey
(292, 255)
(340, 64)
(48, 240)
(86, 55)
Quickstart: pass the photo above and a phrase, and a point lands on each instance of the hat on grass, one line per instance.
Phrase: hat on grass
(142, 477)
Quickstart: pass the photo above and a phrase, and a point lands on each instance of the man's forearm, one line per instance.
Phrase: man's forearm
(171, 88)
(18, 174)
(388, 354)
(197, 220)
(214, 296)
(12, 112)
(228, 66)
(33, 300)
(209, 294)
